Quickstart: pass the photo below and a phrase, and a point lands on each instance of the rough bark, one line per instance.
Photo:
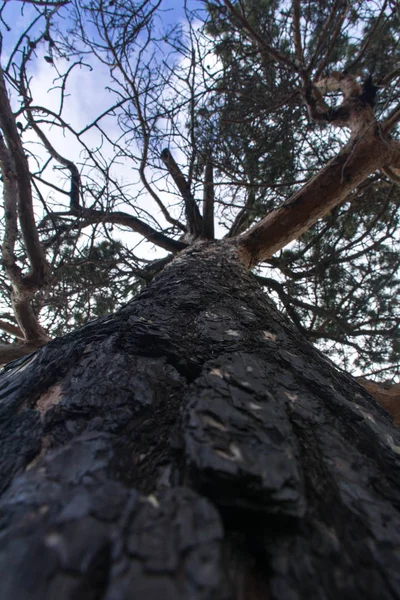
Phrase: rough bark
(194, 445)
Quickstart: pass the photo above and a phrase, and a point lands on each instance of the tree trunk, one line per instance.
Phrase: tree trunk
(194, 446)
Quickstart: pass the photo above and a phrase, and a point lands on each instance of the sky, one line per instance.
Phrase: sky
(87, 96)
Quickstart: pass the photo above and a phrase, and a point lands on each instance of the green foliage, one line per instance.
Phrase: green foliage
(96, 284)
(228, 87)
(339, 282)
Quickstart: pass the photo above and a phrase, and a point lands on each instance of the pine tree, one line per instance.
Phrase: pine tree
(194, 444)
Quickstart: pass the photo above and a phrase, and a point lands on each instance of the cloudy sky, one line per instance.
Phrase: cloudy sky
(87, 97)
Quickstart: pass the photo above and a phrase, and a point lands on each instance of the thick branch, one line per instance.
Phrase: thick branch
(193, 216)
(10, 197)
(208, 201)
(297, 41)
(37, 259)
(242, 219)
(11, 329)
(27, 319)
(355, 112)
(89, 217)
(29, 328)
(9, 352)
(318, 197)
(391, 174)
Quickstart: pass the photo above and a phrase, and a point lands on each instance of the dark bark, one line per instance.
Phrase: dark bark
(193, 445)
(193, 216)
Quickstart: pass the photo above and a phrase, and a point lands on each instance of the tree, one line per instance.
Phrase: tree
(47, 238)
(268, 147)
(226, 112)
(194, 444)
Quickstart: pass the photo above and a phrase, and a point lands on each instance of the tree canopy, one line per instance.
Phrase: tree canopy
(273, 124)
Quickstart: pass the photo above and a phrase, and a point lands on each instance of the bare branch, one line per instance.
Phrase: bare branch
(75, 177)
(34, 250)
(323, 33)
(136, 99)
(368, 40)
(91, 216)
(241, 221)
(10, 196)
(344, 6)
(387, 79)
(208, 200)
(193, 216)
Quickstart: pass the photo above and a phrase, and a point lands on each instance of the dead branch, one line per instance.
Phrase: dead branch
(91, 216)
(323, 35)
(193, 216)
(37, 259)
(56, 3)
(208, 200)
(10, 192)
(23, 288)
(75, 177)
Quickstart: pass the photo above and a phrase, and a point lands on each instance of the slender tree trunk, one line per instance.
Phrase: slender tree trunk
(194, 446)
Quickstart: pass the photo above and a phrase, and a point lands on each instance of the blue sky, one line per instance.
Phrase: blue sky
(87, 98)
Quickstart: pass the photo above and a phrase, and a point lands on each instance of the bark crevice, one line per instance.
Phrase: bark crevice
(194, 445)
